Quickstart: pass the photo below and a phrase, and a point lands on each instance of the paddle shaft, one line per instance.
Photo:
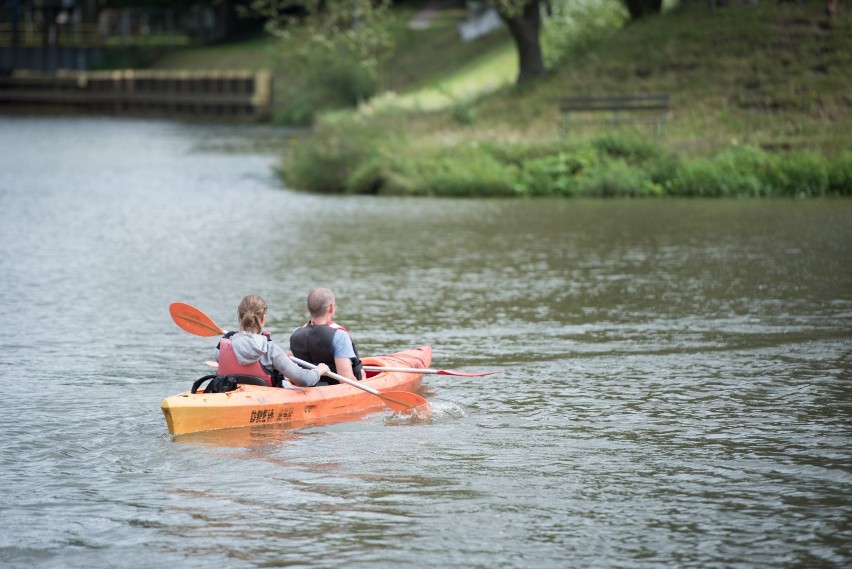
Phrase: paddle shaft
(338, 377)
(427, 371)
(399, 401)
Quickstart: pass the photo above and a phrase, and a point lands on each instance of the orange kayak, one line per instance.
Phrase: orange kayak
(251, 405)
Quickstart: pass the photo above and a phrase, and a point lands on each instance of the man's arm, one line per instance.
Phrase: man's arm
(344, 367)
(343, 354)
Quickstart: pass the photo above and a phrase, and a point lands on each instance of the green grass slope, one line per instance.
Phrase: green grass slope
(774, 75)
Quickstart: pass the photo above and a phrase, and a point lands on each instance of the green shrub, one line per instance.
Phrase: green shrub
(740, 171)
(466, 170)
(548, 176)
(554, 175)
(798, 175)
(743, 172)
(350, 155)
(297, 113)
(346, 81)
(339, 159)
(464, 114)
(612, 165)
(840, 175)
(617, 178)
(319, 85)
(697, 177)
(519, 153)
(369, 177)
(325, 161)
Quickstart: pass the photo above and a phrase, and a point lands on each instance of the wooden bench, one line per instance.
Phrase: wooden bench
(650, 109)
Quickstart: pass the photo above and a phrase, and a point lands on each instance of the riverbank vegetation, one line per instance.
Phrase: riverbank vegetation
(760, 106)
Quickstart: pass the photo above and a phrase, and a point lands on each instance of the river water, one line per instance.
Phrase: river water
(675, 386)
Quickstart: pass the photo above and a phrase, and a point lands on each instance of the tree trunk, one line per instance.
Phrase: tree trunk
(525, 29)
(641, 8)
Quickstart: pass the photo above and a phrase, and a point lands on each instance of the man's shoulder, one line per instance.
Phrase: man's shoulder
(342, 345)
(343, 334)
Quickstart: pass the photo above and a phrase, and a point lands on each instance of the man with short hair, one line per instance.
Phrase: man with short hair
(323, 341)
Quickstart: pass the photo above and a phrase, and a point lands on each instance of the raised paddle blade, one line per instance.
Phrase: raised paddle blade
(193, 320)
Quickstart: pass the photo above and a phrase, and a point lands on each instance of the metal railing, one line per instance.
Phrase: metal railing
(32, 35)
(232, 95)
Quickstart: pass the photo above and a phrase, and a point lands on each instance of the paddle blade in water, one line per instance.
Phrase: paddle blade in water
(404, 402)
(193, 320)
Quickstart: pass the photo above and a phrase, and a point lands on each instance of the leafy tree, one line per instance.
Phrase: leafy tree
(356, 27)
(356, 30)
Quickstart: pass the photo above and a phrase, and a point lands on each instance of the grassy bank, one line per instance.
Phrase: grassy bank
(761, 99)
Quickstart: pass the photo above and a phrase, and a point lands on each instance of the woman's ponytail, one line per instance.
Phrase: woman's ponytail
(251, 312)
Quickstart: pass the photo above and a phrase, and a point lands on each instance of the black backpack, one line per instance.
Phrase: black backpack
(225, 383)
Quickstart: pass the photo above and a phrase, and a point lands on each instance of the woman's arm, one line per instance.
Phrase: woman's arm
(296, 374)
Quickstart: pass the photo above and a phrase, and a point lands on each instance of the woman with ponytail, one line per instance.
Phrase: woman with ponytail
(252, 352)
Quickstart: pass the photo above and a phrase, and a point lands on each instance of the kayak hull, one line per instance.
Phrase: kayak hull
(251, 405)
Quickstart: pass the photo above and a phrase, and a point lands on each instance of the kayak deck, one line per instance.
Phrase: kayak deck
(250, 405)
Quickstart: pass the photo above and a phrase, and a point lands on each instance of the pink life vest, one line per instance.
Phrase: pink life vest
(228, 364)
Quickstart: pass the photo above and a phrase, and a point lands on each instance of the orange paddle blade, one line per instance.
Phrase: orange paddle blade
(403, 401)
(193, 320)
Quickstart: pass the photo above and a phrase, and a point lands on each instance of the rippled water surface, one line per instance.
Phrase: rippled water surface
(675, 386)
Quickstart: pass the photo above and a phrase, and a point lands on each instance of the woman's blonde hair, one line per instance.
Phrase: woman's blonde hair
(251, 311)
